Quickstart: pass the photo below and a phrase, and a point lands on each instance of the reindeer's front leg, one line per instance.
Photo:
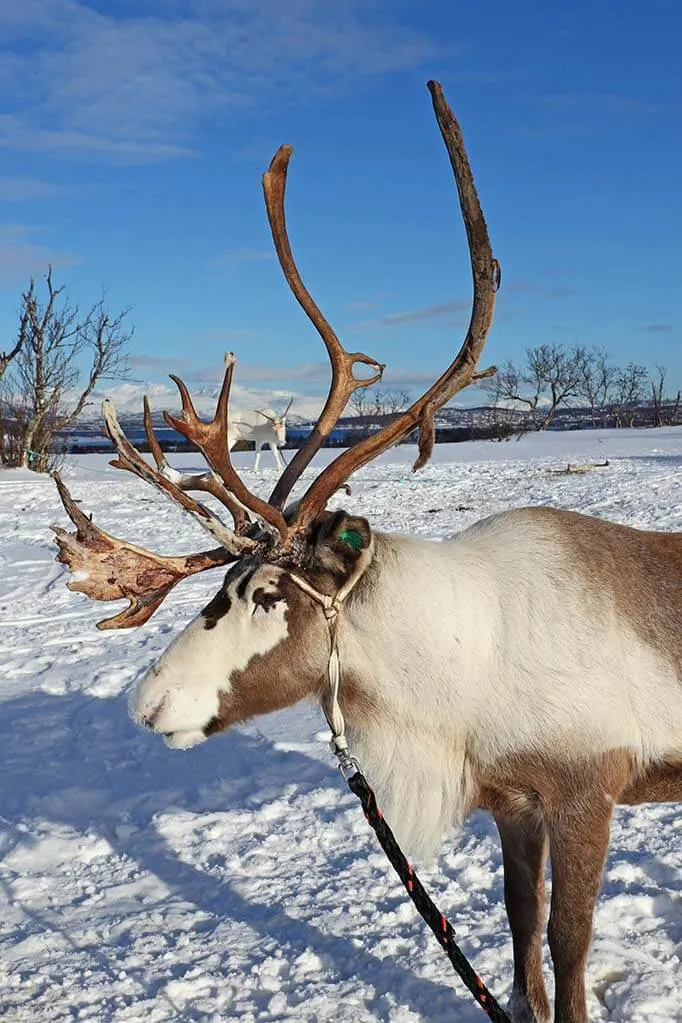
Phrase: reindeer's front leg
(524, 852)
(277, 455)
(578, 842)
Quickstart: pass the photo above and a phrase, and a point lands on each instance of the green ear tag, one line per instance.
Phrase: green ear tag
(351, 538)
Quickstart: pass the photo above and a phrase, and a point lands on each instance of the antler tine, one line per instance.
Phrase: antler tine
(344, 382)
(205, 481)
(211, 439)
(131, 459)
(286, 410)
(154, 446)
(461, 372)
(106, 568)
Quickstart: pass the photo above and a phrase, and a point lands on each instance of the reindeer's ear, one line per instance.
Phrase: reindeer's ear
(338, 542)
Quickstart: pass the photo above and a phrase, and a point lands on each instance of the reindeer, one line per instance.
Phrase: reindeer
(249, 427)
(530, 667)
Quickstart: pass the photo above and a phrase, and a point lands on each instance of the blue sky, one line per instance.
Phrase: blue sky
(134, 134)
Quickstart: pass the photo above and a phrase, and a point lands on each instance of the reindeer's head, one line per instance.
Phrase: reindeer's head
(263, 641)
(279, 423)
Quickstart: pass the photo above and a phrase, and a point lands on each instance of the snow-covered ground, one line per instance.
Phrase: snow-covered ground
(239, 880)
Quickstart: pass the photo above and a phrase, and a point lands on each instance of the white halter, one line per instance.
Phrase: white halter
(331, 607)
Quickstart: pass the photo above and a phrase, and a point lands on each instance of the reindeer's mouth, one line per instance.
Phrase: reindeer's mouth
(177, 738)
(184, 740)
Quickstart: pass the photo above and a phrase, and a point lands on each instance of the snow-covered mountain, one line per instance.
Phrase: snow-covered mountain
(127, 397)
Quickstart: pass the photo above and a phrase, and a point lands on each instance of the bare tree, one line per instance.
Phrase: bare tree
(657, 394)
(550, 376)
(379, 402)
(62, 357)
(361, 405)
(6, 357)
(507, 413)
(387, 403)
(665, 408)
(628, 392)
(508, 391)
(555, 372)
(370, 407)
(597, 378)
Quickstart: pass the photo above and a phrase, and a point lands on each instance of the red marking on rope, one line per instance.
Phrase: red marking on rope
(373, 805)
(446, 936)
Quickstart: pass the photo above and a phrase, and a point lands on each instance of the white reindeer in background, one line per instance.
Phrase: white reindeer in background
(530, 667)
(262, 428)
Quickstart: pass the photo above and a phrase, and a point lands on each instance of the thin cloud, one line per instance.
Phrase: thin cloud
(225, 261)
(137, 87)
(156, 364)
(26, 189)
(360, 307)
(16, 134)
(581, 115)
(406, 379)
(229, 334)
(22, 255)
(519, 287)
(658, 328)
(522, 287)
(561, 292)
(599, 103)
(432, 312)
(309, 372)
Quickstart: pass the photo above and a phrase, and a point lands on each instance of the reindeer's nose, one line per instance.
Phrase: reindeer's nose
(149, 718)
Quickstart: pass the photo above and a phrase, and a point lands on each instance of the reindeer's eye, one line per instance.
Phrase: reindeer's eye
(264, 601)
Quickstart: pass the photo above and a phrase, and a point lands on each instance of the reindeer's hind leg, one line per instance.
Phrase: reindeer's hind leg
(256, 461)
(524, 851)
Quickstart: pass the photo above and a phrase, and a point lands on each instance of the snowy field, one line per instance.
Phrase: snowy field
(239, 880)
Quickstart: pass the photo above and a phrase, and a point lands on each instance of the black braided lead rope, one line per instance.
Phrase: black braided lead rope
(438, 923)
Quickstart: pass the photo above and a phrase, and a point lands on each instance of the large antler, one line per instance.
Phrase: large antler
(344, 382)
(461, 372)
(106, 568)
